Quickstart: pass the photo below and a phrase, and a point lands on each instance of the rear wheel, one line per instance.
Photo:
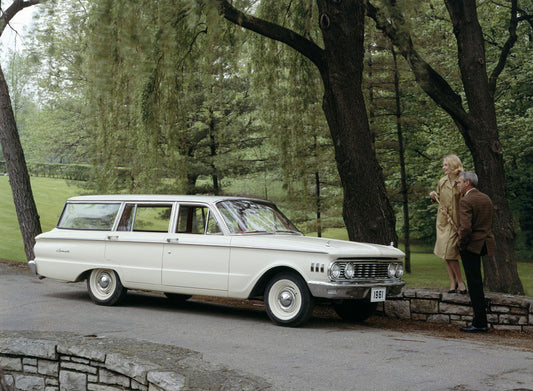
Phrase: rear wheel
(104, 287)
(355, 310)
(288, 301)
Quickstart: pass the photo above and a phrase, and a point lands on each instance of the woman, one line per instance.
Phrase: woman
(448, 196)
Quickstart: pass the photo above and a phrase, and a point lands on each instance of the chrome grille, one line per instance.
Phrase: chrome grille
(366, 270)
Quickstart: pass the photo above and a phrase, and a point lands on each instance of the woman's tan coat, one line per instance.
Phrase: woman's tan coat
(449, 196)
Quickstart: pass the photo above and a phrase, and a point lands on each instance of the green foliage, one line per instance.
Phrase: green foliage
(74, 172)
(428, 133)
(520, 190)
(53, 122)
(291, 91)
(175, 105)
(167, 97)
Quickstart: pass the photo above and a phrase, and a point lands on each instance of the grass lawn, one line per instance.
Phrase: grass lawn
(50, 196)
(427, 271)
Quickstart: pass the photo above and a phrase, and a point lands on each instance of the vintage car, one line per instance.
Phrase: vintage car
(213, 246)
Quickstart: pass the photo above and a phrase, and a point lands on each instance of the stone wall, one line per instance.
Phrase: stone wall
(44, 362)
(49, 365)
(504, 312)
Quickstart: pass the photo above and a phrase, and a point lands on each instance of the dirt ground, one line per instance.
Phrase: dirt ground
(496, 337)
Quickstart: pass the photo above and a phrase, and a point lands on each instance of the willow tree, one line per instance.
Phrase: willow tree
(17, 170)
(367, 212)
(170, 103)
(289, 89)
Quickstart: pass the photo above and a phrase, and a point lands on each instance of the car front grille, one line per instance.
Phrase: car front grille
(365, 270)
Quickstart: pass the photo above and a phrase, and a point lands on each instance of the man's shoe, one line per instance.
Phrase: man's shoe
(473, 329)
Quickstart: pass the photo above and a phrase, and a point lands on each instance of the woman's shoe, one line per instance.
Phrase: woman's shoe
(453, 290)
(462, 292)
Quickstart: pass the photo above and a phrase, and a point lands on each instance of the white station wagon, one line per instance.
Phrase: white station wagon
(213, 246)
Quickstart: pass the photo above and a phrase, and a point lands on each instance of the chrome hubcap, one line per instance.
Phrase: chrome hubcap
(104, 282)
(286, 299)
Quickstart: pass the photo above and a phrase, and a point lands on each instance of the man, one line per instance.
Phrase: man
(475, 240)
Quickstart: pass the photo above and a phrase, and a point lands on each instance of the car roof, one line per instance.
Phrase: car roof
(158, 198)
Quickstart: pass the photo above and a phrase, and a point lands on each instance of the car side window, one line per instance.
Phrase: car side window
(126, 220)
(196, 219)
(89, 216)
(145, 218)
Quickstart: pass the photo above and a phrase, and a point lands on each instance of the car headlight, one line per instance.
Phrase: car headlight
(335, 271)
(391, 270)
(395, 270)
(349, 270)
(399, 270)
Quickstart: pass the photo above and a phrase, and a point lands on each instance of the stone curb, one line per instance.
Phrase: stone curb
(66, 361)
(504, 312)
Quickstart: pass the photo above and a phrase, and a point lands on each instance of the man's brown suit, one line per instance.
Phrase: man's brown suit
(475, 239)
(475, 223)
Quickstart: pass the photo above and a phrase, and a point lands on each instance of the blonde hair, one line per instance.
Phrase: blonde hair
(454, 163)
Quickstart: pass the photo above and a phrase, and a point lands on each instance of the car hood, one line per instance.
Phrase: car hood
(334, 247)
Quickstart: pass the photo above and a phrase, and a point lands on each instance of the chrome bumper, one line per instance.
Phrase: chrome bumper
(32, 266)
(332, 290)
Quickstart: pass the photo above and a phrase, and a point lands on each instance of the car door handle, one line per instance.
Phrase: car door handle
(173, 240)
(112, 237)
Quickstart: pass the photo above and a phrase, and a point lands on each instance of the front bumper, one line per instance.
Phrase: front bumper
(351, 290)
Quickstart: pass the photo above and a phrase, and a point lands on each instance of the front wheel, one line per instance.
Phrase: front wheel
(288, 301)
(104, 287)
(355, 310)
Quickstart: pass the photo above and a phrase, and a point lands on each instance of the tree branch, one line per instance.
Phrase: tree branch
(13, 9)
(274, 31)
(525, 17)
(427, 78)
(506, 48)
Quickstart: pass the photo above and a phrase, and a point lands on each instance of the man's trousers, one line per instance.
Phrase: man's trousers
(472, 267)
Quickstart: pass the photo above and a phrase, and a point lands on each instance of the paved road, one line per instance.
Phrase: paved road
(324, 355)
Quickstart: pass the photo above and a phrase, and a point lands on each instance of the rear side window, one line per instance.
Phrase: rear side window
(145, 218)
(90, 216)
(196, 219)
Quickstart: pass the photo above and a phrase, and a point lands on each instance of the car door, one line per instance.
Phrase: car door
(137, 243)
(196, 255)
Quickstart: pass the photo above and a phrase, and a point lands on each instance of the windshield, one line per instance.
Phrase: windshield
(247, 216)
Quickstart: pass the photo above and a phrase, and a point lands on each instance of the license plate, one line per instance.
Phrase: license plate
(378, 294)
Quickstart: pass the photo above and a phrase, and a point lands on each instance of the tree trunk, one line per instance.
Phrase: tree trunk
(500, 272)
(367, 212)
(481, 135)
(318, 205)
(19, 178)
(403, 174)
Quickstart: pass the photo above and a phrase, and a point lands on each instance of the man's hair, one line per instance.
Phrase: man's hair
(470, 177)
